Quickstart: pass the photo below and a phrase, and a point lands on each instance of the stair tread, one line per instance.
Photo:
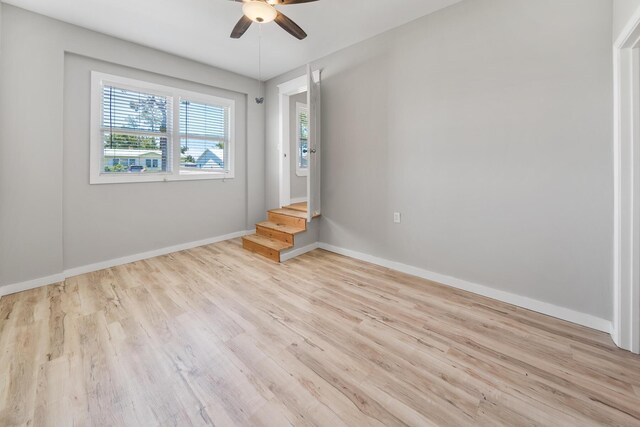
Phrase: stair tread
(281, 227)
(276, 233)
(290, 212)
(277, 245)
(300, 207)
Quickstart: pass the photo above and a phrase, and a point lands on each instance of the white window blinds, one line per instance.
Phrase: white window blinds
(147, 132)
(204, 137)
(134, 130)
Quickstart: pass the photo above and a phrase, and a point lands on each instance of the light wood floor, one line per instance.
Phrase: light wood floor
(220, 336)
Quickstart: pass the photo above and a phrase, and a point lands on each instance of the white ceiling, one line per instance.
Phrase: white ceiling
(199, 29)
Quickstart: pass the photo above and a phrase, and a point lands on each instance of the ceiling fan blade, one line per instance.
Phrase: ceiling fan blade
(241, 27)
(284, 2)
(290, 27)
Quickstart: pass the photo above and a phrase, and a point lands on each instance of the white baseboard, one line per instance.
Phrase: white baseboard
(31, 284)
(563, 313)
(150, 254)
(615, 336)
(518, 300)
(297, 252)
(49, 280)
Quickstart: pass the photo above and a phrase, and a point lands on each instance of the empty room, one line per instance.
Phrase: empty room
(319, 213)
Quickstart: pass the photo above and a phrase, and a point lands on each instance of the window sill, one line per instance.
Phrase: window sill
(302, 172)
(157, 177)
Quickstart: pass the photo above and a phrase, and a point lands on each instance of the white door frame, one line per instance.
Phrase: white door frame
(626, 154)
(286, 90)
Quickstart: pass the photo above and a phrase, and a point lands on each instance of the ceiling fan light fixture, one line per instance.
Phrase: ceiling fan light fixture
(259, 11)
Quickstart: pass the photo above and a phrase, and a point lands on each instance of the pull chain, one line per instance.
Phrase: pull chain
(260, 53)
(260, 100)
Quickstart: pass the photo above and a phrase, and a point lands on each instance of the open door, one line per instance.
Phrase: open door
(313, 179)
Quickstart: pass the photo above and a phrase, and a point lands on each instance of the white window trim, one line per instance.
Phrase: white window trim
(300, 107)
(97, 174)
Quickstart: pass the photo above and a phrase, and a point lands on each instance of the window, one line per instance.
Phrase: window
(146, 132)
(302, 140)
(133, 123)
(203, 137)
(151, 163)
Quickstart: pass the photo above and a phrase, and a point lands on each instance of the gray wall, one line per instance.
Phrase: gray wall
(488, 125)
(622, 12)
(298, 183)
(51, 219)
(103, 221)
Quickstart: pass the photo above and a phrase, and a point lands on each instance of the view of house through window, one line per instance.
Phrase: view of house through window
(134, 129)
(148, 130)
(203, 133)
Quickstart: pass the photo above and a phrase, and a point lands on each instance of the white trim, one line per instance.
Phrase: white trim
(56, 278)
(174, 96)
(315, 151)
(151, 254)
(297, 252)
(626, 168)
(524, 302)
(300, 108)
(563, 313)
(31, 284)
(298, 200)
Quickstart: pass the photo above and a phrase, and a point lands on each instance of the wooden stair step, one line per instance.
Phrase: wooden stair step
(265, 246)
(268, 242)
(290, 212)
(300, 207)
(278, 231)
(284, 228)
(279, 217)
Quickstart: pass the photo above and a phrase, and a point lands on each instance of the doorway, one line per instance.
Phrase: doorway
(299, 148)
(626, 153)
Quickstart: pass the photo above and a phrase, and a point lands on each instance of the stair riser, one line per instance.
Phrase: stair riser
(287, 220)
(259, 249)
(274, 234)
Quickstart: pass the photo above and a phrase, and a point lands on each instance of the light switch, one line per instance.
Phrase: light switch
(396, 217)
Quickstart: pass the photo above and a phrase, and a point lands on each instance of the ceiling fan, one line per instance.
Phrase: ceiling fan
(263, 11)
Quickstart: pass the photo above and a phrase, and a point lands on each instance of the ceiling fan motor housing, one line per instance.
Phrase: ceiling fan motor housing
(263, 11)
(259, 11)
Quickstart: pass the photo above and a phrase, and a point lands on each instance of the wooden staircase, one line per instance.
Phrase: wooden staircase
(277, 233)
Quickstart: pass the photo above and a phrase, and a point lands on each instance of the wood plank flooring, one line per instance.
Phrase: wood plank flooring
(221, 336)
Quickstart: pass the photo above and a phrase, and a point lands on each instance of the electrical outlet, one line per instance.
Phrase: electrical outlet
(396, 217)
